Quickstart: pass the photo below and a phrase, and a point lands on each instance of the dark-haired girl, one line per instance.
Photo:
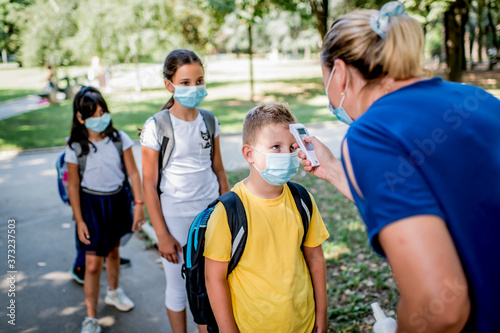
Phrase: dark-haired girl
(190, 180)
(97, 170)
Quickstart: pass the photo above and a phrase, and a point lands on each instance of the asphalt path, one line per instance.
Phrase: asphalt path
(46, 299)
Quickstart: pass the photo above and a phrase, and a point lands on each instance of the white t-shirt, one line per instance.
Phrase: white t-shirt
(188, 183)
(103, 169)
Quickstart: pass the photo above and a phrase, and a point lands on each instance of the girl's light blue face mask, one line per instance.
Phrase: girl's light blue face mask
(339, 112)
(190, 96)
(98, 124)
(280, 167)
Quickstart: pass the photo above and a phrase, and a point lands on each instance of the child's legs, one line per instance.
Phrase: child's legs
(113, 267)
(175, 292)
(80, 253)
(91, 285)
(175, 295)
(177, 320)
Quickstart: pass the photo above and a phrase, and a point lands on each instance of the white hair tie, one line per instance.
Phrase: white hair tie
(379, 22)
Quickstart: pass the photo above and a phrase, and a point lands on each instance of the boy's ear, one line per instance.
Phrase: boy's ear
(246, 150)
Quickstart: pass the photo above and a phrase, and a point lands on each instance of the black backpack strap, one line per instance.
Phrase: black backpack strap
(238, 225)
(82, 159)
(126, 183)
(209, 119)
(304, 205)
(165, 133)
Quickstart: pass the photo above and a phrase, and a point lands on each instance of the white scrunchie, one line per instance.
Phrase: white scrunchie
(379, 22)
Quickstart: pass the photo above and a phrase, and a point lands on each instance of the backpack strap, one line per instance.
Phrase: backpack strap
(209, 119)
(126, 183)
(165, 133)
(238, 225)
(304, 205)
(82, 159)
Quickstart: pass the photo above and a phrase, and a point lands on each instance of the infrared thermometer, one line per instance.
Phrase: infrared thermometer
(298, 131)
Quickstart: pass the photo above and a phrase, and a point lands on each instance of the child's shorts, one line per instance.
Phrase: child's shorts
(108, 217)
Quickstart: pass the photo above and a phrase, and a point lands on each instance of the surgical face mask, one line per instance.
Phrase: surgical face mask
(98, 124)
(339, 112)
(280, 167)
(190, 96)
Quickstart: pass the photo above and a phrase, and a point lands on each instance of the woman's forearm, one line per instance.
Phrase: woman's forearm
(337, 177)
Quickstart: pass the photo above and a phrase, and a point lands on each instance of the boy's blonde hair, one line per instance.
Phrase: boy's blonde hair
(263, 115)
(399, 55)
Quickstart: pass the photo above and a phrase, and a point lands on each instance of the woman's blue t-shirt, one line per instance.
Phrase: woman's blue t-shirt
(434, 148)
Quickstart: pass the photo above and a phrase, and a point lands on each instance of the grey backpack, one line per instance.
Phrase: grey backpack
(165, 133)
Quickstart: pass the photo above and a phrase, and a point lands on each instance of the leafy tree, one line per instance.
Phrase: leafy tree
(319, 10)
(455, 19)
(11, 18)
(47, 24)
(249, 12)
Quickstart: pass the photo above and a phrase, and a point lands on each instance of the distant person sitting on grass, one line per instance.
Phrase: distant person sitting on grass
(100, 202)
(279, 284)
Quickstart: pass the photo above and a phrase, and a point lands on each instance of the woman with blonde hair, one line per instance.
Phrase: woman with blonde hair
(421, 162)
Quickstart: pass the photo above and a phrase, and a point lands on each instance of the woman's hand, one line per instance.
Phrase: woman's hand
(169, 248)
(324, 155)
(139, 217)
(83, 233)
(329, 168)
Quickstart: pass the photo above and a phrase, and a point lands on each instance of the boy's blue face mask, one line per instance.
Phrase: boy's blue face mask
(280, 167)
(339, 112)
(98, 124)
(190, 96)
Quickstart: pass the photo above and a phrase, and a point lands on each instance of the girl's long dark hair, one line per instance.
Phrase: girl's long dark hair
(85, 103)
(173, 62)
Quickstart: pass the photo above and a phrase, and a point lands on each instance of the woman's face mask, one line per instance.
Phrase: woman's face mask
(280, 167)
(190, 96)
(339, 112)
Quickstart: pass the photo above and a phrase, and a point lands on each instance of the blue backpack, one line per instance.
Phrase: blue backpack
(193, 269)
(62, 171)
(62, 177)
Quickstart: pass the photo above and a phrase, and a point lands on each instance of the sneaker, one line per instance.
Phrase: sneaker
(78, 274)
(124, 263)
(118, 299)
(90, 325)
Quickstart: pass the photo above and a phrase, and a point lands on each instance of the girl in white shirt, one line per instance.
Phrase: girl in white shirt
(100, 202)
(190, 181)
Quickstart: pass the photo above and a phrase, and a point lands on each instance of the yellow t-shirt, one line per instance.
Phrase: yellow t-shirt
(271, 288)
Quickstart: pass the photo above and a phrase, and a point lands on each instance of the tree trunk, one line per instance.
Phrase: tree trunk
(4, 56)
(250, 55)
(464, 20)
(319, 10)
(454, 23)
(480, 34)
(491, 25)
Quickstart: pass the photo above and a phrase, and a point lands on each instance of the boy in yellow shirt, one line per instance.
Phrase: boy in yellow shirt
(277, 286)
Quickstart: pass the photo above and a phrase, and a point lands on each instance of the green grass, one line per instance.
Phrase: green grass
(10, 94)
(16, 82)
(48, 127)
(356, 276)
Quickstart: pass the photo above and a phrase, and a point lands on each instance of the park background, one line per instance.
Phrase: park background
(254, 51)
